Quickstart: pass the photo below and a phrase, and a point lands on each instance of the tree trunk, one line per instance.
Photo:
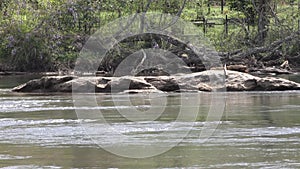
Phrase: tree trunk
(263, 9)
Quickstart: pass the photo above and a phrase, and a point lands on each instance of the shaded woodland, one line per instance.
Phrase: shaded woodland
(47, 35)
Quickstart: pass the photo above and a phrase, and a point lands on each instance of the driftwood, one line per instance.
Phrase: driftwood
(238, 60)
(239, 68)
(193, 56)
(285, 65)
(270, 70)
(264, 59)
(240, 54)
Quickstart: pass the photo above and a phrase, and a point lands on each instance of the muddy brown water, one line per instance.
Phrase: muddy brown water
(257, 130)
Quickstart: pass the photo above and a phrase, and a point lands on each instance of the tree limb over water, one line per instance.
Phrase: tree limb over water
(241, 54)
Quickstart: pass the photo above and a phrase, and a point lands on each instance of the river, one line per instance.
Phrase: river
(257, 130)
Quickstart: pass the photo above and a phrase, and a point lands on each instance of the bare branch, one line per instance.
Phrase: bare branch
(273, 13)
(267, 48)
(181, 9)
(175, 19)
(143, 24)
(148, 6)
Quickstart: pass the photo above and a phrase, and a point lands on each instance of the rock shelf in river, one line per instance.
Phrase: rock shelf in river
(200, 81)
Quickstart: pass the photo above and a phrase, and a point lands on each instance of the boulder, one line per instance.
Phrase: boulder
(45, 84)
(163, 83)
(120, 84)
(278, 84)
(107, 84)
(246, 82)
(237, 81)
(211, 80)
(82, 85)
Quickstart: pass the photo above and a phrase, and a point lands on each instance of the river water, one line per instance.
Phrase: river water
(257, 130)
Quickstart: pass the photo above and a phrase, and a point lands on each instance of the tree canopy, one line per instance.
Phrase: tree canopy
(47, 35)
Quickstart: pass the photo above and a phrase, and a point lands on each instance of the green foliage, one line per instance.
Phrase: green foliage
(244, 6)
(284, 25)
(25, 51)
(44, 35)
(22, 48)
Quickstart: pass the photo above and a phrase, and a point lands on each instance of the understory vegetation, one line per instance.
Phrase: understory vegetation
(47, 35)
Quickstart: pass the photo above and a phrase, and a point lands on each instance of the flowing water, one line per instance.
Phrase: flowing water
(257, 130)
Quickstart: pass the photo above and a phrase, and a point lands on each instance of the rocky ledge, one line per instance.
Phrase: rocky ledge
(210, 80)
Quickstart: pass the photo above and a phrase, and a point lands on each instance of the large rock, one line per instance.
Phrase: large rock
(105, 84)
(212, 80)
(245, 82)
(163, 83)
(271, 84)
(45, 84)
(240, 81)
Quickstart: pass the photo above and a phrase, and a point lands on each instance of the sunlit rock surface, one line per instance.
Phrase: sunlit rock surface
(211, 80)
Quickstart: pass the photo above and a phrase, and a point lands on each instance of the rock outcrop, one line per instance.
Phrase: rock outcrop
(246, 82)
(211, 80)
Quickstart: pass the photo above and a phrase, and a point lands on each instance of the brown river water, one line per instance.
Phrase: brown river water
(257, 130)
